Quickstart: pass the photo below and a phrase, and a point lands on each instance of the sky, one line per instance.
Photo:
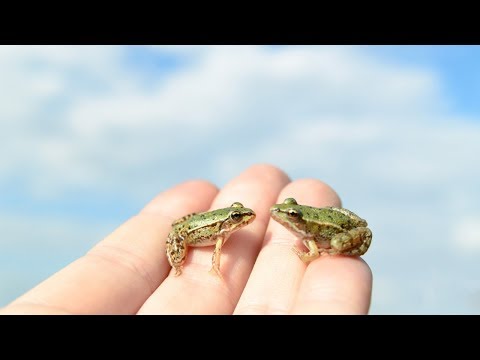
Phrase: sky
(89, 134)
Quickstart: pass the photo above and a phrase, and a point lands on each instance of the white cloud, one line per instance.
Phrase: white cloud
(466, 234)
(228, 89)
(183, 50)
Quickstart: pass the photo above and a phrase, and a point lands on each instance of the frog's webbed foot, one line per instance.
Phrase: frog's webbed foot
(354, 242)
(215, 270)
(178, 271)
(309, 256)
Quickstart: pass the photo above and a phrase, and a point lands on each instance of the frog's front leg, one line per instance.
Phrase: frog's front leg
(215, 270)
(176, 249)
(311, 255)
(353, 242)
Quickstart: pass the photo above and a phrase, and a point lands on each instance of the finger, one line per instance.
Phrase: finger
(197, 291)
(335, 285)
(123, 270)
(278, 272)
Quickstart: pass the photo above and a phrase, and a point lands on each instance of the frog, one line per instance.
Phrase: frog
(327, 230)
(205, 229)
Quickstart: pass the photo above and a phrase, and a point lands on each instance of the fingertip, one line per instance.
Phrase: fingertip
(268, 172)
(183, 196)
(313, 192)
(352, 269)
(257, 187)
(193, 186)
(335, 285)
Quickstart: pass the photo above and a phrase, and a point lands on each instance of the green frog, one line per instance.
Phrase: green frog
(328, 230)
(205, 229)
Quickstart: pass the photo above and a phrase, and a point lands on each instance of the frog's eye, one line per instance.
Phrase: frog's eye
(293, 213)
(236, 216)
(290, 201)
(237, 205)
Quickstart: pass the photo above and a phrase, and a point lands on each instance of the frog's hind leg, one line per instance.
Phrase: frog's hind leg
(354, 242)
(309, 256)
(176, 250)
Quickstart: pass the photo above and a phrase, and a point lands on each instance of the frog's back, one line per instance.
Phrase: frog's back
(355, 220)
(205, 219)
(329, 221)
(199, 228)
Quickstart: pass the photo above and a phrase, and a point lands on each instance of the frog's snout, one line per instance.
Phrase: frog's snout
(274, 209)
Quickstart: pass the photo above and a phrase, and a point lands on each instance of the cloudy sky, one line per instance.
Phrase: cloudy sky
(89, 134)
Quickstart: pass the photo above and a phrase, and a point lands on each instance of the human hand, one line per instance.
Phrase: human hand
(128, 272)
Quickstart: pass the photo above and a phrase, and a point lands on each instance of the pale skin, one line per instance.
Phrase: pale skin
(128, 272)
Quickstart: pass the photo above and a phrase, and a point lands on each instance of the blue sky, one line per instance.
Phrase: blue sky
(457, 66)
(89, 134)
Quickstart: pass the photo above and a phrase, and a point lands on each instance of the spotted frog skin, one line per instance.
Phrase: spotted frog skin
(323, 230)
(205, 229)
